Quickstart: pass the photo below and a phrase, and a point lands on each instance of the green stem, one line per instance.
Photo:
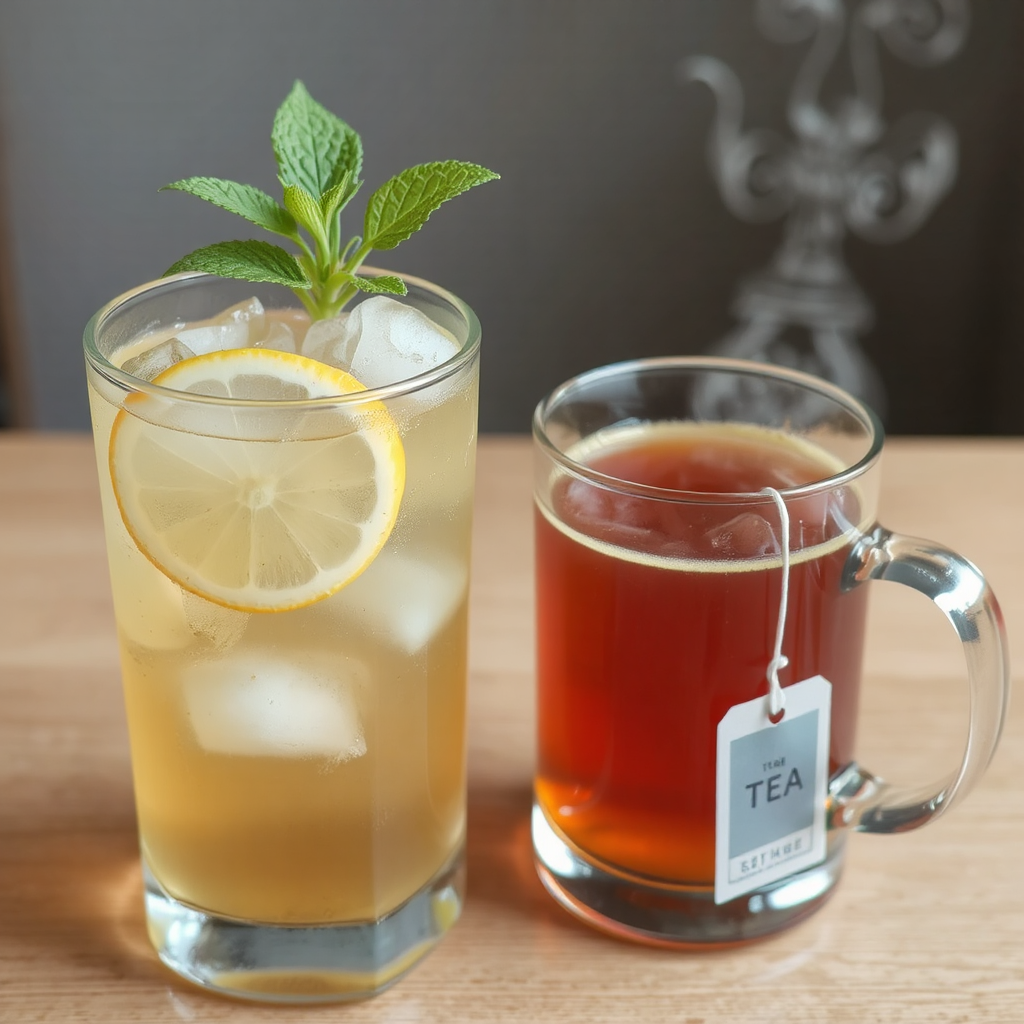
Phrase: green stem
(349, 245)
(334, 231)
(343, 297)
(355, 261)
(308, 263)
(311, 307)
(336, 280)
(301, 243)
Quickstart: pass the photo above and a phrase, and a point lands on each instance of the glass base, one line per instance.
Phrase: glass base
(302, 963)
(640, 909)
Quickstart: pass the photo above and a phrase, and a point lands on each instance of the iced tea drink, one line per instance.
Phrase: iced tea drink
(289, 557)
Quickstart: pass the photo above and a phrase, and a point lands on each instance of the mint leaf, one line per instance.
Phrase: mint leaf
(385, 284)
(334, 198)
(401, 206)
(245, 200)
(304, 208)
(313, 148)
(249, 260)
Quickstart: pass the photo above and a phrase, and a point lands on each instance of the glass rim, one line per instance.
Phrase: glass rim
(742, 367)
(130, 383)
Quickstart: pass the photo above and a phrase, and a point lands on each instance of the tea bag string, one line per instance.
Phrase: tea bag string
(776, 696)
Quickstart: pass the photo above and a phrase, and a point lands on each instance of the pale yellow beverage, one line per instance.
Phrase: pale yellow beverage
(298, 736)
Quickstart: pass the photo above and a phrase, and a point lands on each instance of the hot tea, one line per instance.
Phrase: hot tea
(663, 488)
(658, 597)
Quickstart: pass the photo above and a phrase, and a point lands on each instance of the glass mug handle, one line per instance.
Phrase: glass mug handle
(866, 803)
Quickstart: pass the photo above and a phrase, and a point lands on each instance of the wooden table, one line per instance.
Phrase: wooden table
(927, 926)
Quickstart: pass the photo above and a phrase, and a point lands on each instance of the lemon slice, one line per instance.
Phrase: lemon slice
(219, 499)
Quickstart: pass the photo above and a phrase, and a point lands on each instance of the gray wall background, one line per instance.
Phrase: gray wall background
(605, 238)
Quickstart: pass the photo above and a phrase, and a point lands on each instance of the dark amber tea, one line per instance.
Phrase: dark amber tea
(658, 597)
(704, 525)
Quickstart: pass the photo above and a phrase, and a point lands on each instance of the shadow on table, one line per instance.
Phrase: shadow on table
(78, 893)
(500, 856)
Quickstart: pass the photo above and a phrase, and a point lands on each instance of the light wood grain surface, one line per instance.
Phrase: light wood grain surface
(927, 926)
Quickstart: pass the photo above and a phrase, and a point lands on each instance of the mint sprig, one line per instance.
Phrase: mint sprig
(319, 159)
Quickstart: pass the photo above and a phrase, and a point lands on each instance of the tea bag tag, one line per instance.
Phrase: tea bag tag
(772, 771)
(772, 783)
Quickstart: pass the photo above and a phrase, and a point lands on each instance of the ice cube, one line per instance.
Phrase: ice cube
(155, 360)
(330, 341)
(155, 613)
(619, 518)
(296, 320)
(589, 504)
(395, 342)
(259, 704)
(230, 329)
(747, 535)
(406, 599)
(380, 342)
(219, 626)
(279, 336)
(147, 604)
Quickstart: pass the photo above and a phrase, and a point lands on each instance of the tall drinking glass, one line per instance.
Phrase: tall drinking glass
(296, 725)
(704, 530)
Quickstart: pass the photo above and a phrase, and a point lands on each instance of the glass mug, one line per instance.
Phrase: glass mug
(659, 561)
(299, 770)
